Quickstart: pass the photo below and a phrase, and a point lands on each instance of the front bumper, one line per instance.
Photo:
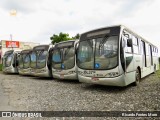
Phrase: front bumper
(10, 70)
(116, 81)
(64, 76)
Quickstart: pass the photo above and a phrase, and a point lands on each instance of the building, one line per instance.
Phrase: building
(6, 45)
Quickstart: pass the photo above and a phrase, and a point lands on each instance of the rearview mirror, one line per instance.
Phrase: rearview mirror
(129, 42)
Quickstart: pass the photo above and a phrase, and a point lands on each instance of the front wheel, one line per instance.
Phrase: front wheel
(137, 77)
(154, 69)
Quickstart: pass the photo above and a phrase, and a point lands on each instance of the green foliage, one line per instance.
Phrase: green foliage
(77, 36)
(62, 37)
(158, 72)
(59, 38)
(0, 67)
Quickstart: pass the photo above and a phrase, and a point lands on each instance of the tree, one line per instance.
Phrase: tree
(59, 38)
(77, 36)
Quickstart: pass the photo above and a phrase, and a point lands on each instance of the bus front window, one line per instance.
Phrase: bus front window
(26, 61)
(99, 53)
(86, 55)
(68, 59)
(33, 60)
(41, 61)
(8, 60)
(63, 58)
(56, 59)
(106, 53)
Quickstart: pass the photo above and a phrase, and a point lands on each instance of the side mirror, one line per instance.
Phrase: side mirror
(129, 42)
(77, 44)
(76, 47)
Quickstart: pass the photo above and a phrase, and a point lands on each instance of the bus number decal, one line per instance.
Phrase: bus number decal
(86, 72)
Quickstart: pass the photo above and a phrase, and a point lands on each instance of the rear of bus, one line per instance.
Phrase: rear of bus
(64, 60)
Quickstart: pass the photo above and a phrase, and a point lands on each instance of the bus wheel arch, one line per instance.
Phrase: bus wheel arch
(154, 68)
(139, 70)
(137, 76)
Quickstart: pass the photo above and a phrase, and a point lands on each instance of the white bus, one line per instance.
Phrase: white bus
(40, 61)
(24, 59)
(115, 56)
(64, 60)
(10, 62)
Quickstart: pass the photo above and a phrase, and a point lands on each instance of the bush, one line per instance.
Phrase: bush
(0, 67)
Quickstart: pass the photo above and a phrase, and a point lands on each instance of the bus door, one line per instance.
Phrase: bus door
(129, 61)
(128, 58)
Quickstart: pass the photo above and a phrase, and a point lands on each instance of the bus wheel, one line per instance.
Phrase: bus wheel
(137, 77)
(154, 69)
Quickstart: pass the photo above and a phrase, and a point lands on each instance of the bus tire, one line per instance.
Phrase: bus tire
(154, 69)
(137, 77)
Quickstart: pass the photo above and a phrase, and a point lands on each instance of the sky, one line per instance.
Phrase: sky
(37, 20)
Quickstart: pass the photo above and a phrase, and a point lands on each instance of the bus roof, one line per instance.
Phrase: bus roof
(26, 51)
(134, 33)
(12, 51)
(64, 44)
(123, 27)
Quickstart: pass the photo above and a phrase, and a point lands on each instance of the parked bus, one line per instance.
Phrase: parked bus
(10, 62)
(41, 61)
(64, 60)
(24, 59)
(115, 56)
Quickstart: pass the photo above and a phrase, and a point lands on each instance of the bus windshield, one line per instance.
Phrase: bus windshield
(33, 59)
(7, 60)
(21, 61)
(99, 53)
(41, 58)
(63, 58)
(26, 61)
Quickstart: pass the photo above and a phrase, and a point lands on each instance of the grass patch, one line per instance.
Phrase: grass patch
(158, 72)
(0, 67)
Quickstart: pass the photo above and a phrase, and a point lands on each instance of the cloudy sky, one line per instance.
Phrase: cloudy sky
(38, 20)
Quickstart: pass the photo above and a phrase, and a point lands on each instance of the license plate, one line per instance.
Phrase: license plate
(95, 79)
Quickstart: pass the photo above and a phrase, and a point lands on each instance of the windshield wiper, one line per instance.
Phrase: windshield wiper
(103, 41)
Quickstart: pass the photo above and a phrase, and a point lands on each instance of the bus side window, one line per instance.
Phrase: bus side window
(128, 49)
(142, 48)
(135, 45)
(153, 50)
(147, 49)
(126, 36)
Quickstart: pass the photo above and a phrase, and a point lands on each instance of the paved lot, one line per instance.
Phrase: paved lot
(41, 94)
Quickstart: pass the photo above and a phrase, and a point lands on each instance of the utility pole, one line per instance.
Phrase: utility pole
(13, 12)
(11, 41)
